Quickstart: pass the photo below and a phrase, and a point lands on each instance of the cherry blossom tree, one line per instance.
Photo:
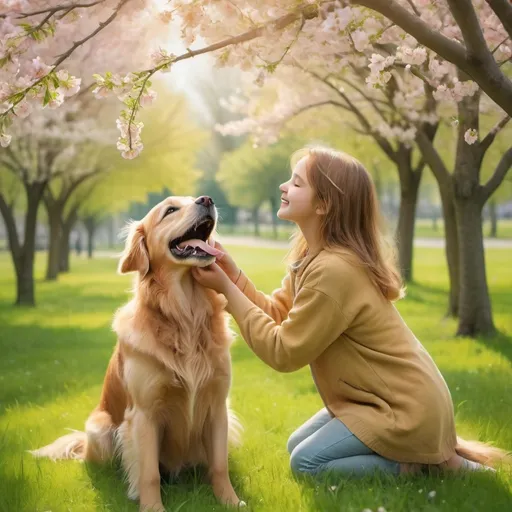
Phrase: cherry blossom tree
(37, 156)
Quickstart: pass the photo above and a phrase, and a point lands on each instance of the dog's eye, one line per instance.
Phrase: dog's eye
(170, 210)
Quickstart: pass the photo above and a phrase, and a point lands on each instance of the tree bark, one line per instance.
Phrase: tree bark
(55, 226)
(475, 312)
(493, 233)
(451, 248)
(91, 224)
(273, 210)
(65, 242)
(409, 185)
(111, 233)
(23, 254)
(256, 220)
(445, 184)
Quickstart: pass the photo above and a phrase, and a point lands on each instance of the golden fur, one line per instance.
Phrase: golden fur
(164, 397)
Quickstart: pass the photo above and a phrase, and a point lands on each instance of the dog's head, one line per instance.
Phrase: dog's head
(175, 232)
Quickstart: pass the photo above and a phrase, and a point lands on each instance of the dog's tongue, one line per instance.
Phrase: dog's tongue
(203, 246)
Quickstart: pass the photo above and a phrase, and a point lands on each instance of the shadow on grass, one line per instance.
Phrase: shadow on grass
(188, 492)
(40, 364)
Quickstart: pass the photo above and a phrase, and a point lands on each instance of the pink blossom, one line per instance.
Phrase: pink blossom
(471, 136)
(23, 109)
(5, 106)
(360, 39)
(38, 68)
(5, 139)
(148, 98)
(101, 92)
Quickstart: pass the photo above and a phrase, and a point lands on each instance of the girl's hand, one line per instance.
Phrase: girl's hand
(212, 277)
(227, 263)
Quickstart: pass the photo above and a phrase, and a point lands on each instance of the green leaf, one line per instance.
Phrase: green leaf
(47, 97)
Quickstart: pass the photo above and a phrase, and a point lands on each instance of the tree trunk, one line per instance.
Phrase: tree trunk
(65, 241)
(90, 225)
(55, 225)
(409, 185)
(434, 222)
(405, 227)
(111, 233)
(64, 251)
(451, 238)
(23, 254)
(273, 210)
(493, 233)
(475, 312)
(256, 220)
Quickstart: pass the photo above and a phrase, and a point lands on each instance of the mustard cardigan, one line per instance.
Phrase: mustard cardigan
(370, 370)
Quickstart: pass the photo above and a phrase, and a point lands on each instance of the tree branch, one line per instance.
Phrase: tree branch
(54, 10)
(499, 174)
(503, 9)
(487, 74)
(489, 138)
(467, 20)
(432, 158)
(10, 225)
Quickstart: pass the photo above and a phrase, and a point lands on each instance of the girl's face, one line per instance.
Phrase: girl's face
(297, 196)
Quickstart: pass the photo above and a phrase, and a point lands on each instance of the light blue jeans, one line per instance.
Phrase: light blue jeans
(325, 444)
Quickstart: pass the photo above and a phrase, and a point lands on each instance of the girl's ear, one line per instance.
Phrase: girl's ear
(320, 209)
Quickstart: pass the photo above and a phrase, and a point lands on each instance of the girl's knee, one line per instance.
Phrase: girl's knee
(293, 441)
(300, 463)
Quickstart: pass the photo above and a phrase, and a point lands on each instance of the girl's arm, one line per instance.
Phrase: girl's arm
(277, 305)
(314, 322)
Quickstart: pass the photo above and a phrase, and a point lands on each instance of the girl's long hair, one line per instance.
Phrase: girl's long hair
(352, 221)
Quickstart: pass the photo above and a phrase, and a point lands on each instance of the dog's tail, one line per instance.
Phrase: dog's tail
(235, 428)
(96, 444)
(483, 453)
(70, 446)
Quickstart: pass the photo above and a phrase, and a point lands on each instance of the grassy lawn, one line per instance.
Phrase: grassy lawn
(53, 359)
(424, 229)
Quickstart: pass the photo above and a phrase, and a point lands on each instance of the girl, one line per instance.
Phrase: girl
(387, 406)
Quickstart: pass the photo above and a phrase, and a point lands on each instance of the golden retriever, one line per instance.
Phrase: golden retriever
(164, 397)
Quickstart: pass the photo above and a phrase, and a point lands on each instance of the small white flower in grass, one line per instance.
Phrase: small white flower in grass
(367, 510)
(333, 488)
(471, 136)
(381, 509)
(420, 491)
(432, 495)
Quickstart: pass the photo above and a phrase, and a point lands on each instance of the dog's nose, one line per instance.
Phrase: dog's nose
(205, 201)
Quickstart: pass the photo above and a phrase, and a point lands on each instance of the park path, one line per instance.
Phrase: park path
(252, 241)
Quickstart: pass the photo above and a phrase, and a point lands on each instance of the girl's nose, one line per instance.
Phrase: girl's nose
(282, 187)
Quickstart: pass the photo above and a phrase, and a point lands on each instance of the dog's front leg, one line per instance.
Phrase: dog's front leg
(146, 438)
(217, 453)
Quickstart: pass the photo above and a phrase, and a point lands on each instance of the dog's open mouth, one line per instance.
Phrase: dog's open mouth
(194, 243)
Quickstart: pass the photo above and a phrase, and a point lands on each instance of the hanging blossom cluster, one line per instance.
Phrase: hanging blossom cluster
(134, 91)
(27, 83)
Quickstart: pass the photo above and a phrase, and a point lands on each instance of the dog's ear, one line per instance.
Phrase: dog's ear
(135, 257)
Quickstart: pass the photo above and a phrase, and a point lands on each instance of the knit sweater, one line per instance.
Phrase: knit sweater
(370, 370)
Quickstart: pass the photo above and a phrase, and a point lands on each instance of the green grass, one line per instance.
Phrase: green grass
(53, 359)
(424, 229)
